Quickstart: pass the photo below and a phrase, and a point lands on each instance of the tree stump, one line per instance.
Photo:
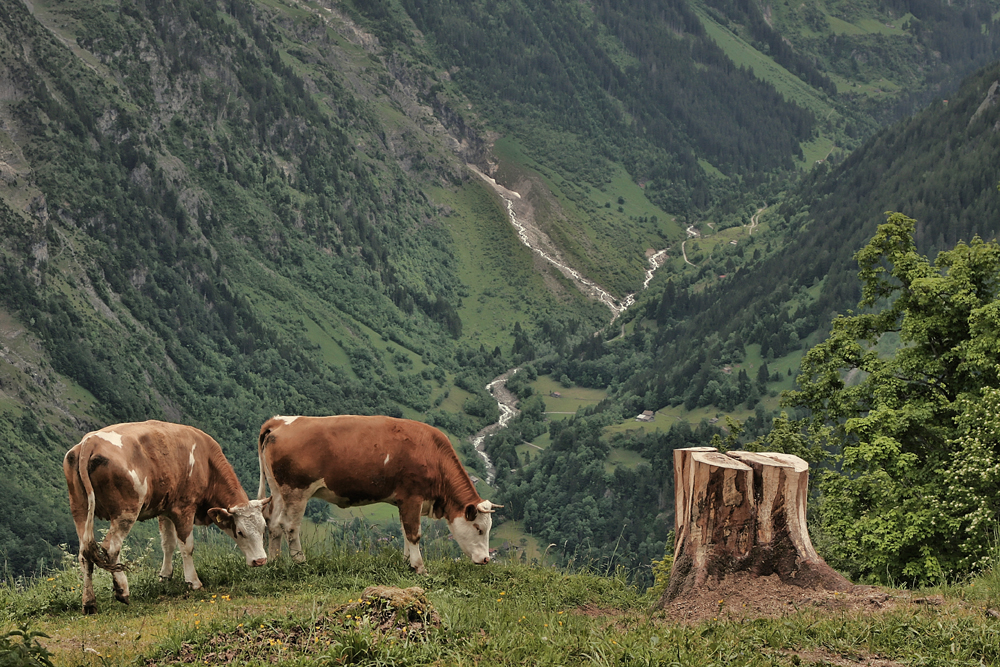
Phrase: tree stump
(743, 512)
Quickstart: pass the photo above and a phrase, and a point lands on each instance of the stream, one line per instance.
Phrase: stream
(506, 400)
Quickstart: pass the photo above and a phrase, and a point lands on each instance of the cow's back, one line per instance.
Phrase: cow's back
(156, 464)
(358, 458)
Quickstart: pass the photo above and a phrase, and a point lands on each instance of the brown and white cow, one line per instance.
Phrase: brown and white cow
(350, 460)
(132, 472)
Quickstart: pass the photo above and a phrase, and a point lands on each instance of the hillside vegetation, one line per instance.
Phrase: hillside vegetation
(214, 212)
(500, 614)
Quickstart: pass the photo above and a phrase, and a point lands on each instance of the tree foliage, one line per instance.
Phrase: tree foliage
(895, 382)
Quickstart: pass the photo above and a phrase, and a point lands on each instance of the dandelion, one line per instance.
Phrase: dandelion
(560, 613)
(51, 579)
(503, 592)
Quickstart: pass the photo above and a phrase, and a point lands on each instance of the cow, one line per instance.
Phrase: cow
(351, 460)
(131, 472)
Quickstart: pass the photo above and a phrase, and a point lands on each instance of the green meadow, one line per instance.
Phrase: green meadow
(505, 613)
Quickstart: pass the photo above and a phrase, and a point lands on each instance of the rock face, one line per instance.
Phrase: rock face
(991, 98)
(743, 513)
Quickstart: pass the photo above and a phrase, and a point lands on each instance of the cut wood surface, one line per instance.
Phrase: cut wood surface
(743, 512)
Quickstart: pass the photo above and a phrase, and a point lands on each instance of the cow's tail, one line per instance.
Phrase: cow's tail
(89, 548)
(262, 488)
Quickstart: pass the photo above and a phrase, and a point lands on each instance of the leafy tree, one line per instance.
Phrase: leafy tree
(899, 415)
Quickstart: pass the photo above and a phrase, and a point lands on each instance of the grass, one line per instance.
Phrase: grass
(744, 54)
(570, 399)
(502, 614)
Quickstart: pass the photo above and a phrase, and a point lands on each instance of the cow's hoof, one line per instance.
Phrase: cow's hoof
(163, 579)
(89, 609)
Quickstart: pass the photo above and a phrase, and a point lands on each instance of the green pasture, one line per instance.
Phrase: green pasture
(585, 221)
(744, 54)
(494, 266)
(455, 400)
(625, 458)
(512, 534)
(569, 400)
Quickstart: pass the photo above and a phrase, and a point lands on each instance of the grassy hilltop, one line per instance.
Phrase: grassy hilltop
(502, 614)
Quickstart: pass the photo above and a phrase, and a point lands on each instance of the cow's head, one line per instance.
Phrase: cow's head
(245, 524)
(471, 530)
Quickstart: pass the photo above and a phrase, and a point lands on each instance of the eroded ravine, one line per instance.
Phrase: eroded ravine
(539, 243)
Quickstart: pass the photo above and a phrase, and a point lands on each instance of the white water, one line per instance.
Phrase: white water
(508, 411)
(589, 286)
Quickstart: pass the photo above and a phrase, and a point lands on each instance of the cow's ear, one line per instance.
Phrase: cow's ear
(220, 517)
(471, 512)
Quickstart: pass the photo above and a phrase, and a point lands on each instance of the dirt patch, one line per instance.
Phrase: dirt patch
(744, 596)
(382, 613)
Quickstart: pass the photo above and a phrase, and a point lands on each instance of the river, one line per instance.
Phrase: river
(534, 239)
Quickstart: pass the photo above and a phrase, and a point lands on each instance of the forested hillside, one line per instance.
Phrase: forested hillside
(198, 227)
(686, 340)
(214, 212)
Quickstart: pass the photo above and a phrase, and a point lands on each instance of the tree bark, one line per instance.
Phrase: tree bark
(743, 512)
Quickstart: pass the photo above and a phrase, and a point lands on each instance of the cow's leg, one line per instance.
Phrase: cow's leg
(286, 521)
(84, 532)
(409, 516)
(185, 538)
(89, 599)
(168, 540)
(274, 530)
(113, 542)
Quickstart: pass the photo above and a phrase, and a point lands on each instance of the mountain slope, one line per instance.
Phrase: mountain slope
(213, 212)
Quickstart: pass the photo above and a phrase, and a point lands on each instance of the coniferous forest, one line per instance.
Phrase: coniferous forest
(216, 212)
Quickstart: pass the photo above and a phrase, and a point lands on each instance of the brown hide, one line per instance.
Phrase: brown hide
(131, 472)
(362, 460)
(160, 456)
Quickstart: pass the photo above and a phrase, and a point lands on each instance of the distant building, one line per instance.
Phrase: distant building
(646, 416)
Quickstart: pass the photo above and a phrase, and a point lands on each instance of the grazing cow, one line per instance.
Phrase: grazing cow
(350, 460)
(132, 472)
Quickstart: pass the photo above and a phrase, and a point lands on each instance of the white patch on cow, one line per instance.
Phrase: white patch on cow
(141, 487)
(88, 527)
(191, 459)
(287, 420)
(386, 462)
(473, 536)
(112, 437)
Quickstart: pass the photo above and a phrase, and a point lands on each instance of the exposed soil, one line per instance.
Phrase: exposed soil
(744, 596)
